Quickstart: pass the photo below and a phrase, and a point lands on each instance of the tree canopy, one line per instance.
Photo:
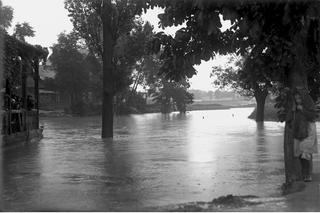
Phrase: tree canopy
(6, 15)
(23, 30)
(258, 27)
(86, 19)
(131, 36)
(69, 65)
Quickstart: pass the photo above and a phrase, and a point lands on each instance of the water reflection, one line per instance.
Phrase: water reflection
(153, 160)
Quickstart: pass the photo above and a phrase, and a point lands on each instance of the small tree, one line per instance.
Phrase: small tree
(69, 64)
(23, 30)
(173, 95)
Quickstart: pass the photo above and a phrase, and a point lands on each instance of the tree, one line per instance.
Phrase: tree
(291, 44)
(71, 76)
(169, 94)
(244, 76)
(23, 30)
(14, 51)
(103, 24)
(173, 95)
(288, 31)
(181, 97)
(7, 51)
(6, 15)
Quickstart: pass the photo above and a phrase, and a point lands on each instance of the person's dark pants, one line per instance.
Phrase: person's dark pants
(305, 166)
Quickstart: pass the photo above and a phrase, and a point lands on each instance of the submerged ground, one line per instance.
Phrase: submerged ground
(155, 162)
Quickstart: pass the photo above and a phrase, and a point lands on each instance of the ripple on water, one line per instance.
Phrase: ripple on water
(220, 152)
(96, 179)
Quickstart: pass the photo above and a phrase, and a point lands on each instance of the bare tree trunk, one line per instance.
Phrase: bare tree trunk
(297, 78)
(260, 97)
(107, 96)
(292, 163)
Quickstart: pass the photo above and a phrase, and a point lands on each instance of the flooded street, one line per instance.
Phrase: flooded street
(153, 160)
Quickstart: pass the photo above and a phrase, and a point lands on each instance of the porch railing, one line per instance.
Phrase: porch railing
(15, 121)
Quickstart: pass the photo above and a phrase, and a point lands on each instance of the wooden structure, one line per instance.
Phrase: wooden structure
(20, 112)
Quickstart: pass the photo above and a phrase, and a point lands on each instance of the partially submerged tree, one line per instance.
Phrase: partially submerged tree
(170, 95)
(104, 24)
(173, 96)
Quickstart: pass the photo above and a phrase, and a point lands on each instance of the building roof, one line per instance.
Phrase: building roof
(46, 71)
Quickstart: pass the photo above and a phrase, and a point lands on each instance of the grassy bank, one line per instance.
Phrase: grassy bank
(219, 104)
(206, 107)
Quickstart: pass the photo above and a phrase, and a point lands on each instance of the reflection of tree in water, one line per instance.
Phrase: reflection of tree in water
(261, 141)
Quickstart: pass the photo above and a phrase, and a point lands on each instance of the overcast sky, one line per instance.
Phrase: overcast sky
(49, 18)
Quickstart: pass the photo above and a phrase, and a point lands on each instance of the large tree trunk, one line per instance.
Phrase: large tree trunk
(107, 96)
(297, 79)
(292, 163)
(260, 97)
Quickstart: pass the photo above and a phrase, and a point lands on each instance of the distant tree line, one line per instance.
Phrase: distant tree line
(217, 94)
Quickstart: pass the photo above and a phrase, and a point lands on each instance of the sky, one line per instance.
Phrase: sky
(49, 18)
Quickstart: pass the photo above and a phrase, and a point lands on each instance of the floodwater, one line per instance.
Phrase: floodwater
(153, 160)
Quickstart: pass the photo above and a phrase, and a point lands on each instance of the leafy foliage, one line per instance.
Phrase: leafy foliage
(86, 18)
(173, 95)
(258, 28)
(230, 76)
(276, 37)
(69, 64)
(14, 53)
(6, 15)
(23, 30)
(12, 61)
(129, 33)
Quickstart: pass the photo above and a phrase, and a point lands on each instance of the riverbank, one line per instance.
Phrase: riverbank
(196, 106)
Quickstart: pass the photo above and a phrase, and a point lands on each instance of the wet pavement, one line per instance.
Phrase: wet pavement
(154, 160)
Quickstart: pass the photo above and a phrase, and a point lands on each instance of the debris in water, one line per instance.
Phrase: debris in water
(233, 201)
(224, 202)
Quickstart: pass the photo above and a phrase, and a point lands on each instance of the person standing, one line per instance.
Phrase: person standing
(305, 131)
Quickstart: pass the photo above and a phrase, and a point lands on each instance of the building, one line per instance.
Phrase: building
(20, 110)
